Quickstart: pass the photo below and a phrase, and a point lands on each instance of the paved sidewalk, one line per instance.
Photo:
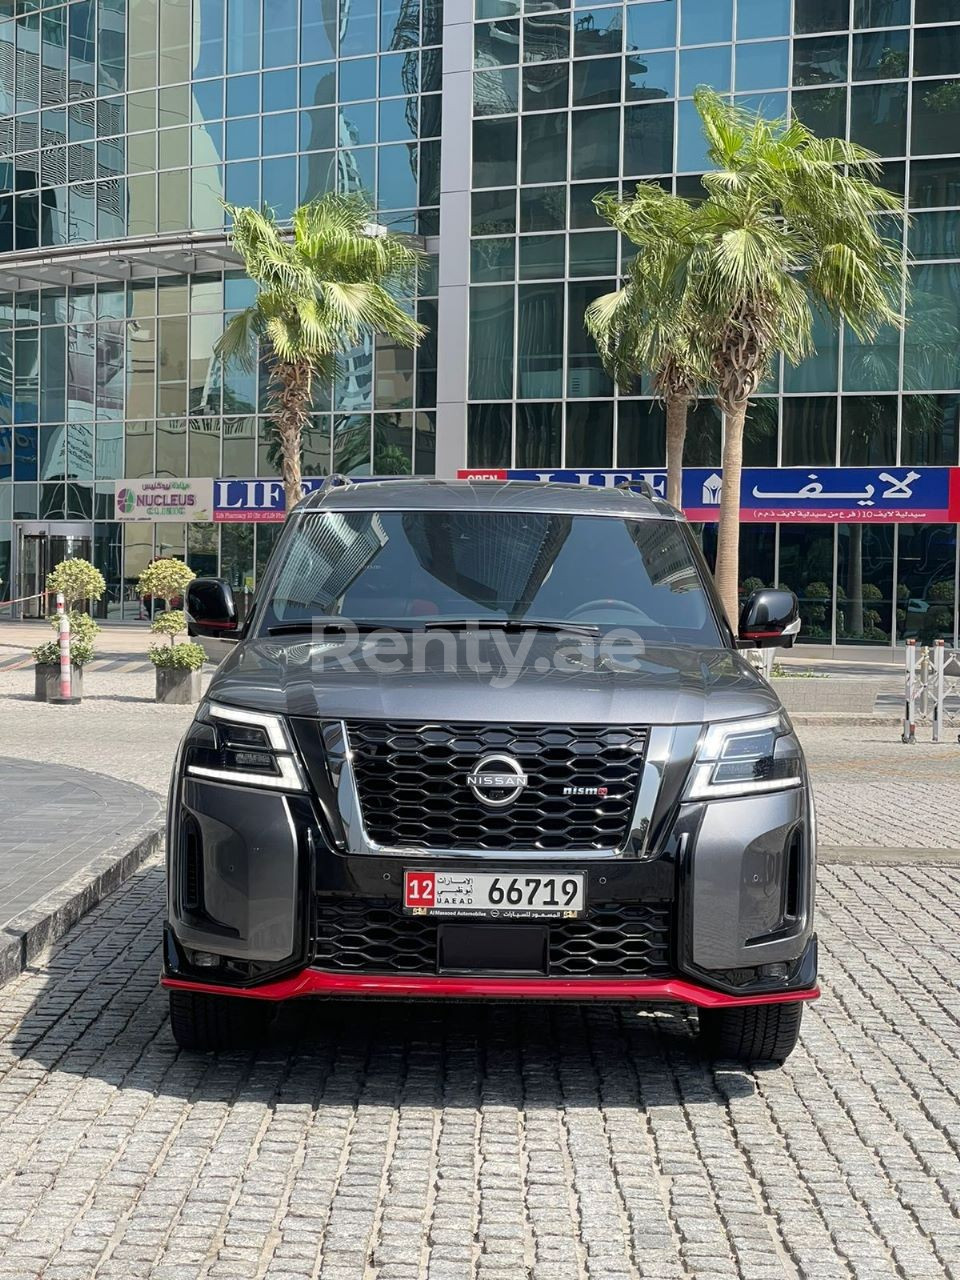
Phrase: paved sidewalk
(474, 1143)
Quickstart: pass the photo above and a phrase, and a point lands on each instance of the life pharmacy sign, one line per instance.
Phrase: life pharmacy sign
(791, 495)
(254, 500)
(163, 500)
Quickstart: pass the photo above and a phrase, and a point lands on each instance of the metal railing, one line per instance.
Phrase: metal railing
(931, 689)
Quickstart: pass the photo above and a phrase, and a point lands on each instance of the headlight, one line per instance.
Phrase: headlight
(228, 744)
(745, 757)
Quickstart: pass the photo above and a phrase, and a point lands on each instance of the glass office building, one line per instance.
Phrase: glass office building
(486, 127)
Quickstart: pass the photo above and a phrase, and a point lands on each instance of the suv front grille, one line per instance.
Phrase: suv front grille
(412, 784)
(613, 941)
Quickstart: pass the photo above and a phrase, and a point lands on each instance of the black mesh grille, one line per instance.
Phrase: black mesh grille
(412, 783)
(614, 941)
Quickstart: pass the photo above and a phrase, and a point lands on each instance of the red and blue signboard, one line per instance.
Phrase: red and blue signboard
(792, 495)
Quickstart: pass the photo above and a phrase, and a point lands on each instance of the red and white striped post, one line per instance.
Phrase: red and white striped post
(65, 691)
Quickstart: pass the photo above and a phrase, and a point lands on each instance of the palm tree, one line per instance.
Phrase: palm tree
(320, 291)
(791, 223)
(644, 326)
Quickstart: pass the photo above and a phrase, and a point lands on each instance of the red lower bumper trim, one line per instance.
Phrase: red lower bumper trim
(314, 982)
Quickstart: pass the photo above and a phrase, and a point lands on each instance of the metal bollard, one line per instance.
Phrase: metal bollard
(939, 657)
(909, 711)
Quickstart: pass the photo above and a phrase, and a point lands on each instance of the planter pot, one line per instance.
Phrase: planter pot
(178, 685)
(47, 681)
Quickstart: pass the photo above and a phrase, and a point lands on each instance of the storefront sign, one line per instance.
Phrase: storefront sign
(258, 500)
(793, 495)
(164, 500)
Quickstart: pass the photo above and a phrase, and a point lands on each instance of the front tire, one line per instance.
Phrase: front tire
(761, 1034)
(207, 1024)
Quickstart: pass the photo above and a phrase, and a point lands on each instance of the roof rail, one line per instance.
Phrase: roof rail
(643, 487)
(333, 481)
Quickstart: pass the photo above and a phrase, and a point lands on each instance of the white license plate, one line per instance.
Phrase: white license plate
(501, 894)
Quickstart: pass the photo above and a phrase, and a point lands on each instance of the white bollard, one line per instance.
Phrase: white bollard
(909, 714)
(65, 672)
(61, 604)
(939, 655)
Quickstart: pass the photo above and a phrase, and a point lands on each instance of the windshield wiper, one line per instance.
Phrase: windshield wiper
(511, 624)
(324, 624)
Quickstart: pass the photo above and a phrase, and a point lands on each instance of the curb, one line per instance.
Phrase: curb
(24, 937)
(851, 855)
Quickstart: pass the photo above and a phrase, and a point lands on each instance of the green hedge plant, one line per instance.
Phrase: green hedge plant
(168, 580)
(181, 657)
(79, 581)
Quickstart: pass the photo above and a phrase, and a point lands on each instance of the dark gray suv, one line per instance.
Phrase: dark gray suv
(485, 739)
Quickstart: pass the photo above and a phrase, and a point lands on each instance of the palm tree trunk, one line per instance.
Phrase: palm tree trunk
(291, 402)
(677, 407)
(728, 532)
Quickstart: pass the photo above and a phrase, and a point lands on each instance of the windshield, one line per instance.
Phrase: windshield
(411, 569)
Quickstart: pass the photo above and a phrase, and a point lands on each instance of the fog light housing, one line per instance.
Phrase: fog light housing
(203, 959)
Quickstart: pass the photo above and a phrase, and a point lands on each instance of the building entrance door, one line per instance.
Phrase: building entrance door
(40, 548)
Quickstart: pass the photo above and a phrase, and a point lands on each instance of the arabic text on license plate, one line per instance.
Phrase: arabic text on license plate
(491, 893)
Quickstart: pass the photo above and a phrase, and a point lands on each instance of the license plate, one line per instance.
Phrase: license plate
(499, 894)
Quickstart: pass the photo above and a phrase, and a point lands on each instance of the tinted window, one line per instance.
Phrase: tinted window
(419, 566)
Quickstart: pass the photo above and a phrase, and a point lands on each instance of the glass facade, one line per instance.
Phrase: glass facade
(124, 123)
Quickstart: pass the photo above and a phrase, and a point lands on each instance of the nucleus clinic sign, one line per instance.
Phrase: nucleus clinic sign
(163, 500)
(791, 495)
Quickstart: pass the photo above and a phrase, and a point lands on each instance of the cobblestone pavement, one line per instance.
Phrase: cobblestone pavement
(488, 1144)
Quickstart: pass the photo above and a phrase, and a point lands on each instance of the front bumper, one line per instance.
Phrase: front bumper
(733, 879)
(315, 982)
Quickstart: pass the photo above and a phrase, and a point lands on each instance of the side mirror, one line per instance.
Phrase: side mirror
(211, 609)
(769, 618)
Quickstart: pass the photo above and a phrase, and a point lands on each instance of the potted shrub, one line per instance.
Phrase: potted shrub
(177, 665)
(79, 581)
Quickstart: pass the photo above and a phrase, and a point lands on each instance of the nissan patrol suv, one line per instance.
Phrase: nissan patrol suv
(490, 740)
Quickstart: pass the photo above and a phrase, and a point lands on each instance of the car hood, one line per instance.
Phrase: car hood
(533, 678)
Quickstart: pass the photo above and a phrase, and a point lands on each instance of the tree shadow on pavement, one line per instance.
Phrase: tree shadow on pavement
(96, 1010)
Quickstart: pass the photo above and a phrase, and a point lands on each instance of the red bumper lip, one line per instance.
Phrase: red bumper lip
(316, 982)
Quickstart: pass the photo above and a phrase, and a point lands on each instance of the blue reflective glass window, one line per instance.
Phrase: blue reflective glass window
(280, 33)
(651, 76)
(881, 13)
(546, 37)
(543, 209)
(881, 55)
(242, 183)
(430, 116)
(318, 175)
(705, 66)
(243, 95)
(280, 185)
(242, 138)
(545, 84)
(318, 30)
(543, 157)
(356, 169)
(759, 18)
(702, 21)
(762, 66)
(318, 85)
(279, 134)
(539, 340)
(358, 79)
(652, 25)
(358, 27)
(399, 74)
(400, 24)
(491, 259)
(822, 110)
(595, 148)
(318, 129)
(358, 124)
(25, 451)
(771, 105)
(596, 80)
(593, 253)
(398, 120)
(495, 91)
(207, 99)
(596, 31)
(243, 35)
(820, 61)
(691, 144)
(280, 90)
(208, 38)
(878, 117)
(494, 152)
(397, 177)
(496, 44)
(648, 139)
